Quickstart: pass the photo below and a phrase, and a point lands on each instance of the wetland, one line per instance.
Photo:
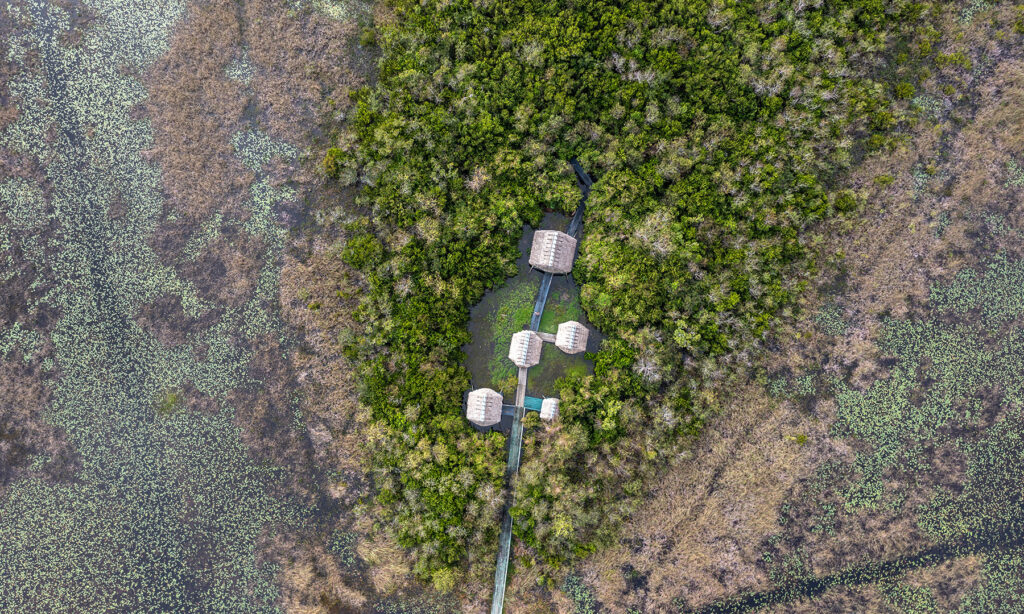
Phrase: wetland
(507, 310)
(253, 252)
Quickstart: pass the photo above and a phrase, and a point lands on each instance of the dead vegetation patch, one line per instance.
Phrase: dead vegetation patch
(28, 444)
(225, 271)
(298, 79)
(166, 320)
(324, 312)
(195, 109)
(8, 108)
(310, 581)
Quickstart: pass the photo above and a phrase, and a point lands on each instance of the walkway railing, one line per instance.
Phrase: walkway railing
(515, 440)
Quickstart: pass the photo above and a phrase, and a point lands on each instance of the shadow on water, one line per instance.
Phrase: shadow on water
(506, 310)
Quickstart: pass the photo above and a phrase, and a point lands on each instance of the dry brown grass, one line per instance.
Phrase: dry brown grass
(8, 109)
(301, 60)
(992, 139)
(166, 320)
(226, 271)
(24, 433)
(195, 109)
(701, 535)
(336, 421)
(302, 63)
(389, 564)
(310, 581)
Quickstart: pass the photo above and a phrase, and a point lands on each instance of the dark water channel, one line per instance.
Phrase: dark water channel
(999, 537)
(506, 310)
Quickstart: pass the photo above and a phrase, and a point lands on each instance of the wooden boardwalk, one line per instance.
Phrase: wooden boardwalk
(542, 299)
(515, 439)
(515, 450)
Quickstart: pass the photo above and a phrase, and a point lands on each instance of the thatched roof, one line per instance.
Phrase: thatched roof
(525, 348)
(552, 251)
(549, 409)
(572, 337)
(483, 407)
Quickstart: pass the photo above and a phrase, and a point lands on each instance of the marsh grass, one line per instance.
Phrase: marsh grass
(153, 288)
(512, 314)
(895, 362)
(563, 305)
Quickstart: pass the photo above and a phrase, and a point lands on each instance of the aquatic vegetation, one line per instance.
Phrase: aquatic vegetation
(962, 357)
(168, 505)
(202, 238)
(168, 402)
(21, 338)
(193, 496)
(892, 418)
(23, 204)
(942, 222)
(241, 69)
(974, 7)
(929, 105)
(562, 306)
(830, 320)
(256, 148)
(953, 384)
(996, 292)
(343, 546)
(342, 10)
(1003, 584)
(515, 306)
(1015, 174)
(580, 595)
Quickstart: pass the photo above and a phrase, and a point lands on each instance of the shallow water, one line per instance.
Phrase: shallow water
(507, 309)
(166, 506)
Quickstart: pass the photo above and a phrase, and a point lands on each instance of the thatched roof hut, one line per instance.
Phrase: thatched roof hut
(483, 407)
(549, 409)
(525, 348)
(572, 337)
(552, 251)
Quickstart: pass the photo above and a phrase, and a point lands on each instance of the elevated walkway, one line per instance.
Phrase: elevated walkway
(515, 440)
(529, 404)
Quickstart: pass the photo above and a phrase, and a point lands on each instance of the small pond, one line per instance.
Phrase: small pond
(507, 310)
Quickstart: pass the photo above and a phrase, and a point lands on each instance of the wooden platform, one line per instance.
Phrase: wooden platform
(515, 440)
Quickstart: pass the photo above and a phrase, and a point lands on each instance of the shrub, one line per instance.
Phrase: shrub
(710, 182)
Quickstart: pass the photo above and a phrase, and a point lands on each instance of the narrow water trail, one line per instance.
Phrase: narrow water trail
(1000, 538)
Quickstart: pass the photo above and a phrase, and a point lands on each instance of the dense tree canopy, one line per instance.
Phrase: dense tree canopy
(712, 128)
